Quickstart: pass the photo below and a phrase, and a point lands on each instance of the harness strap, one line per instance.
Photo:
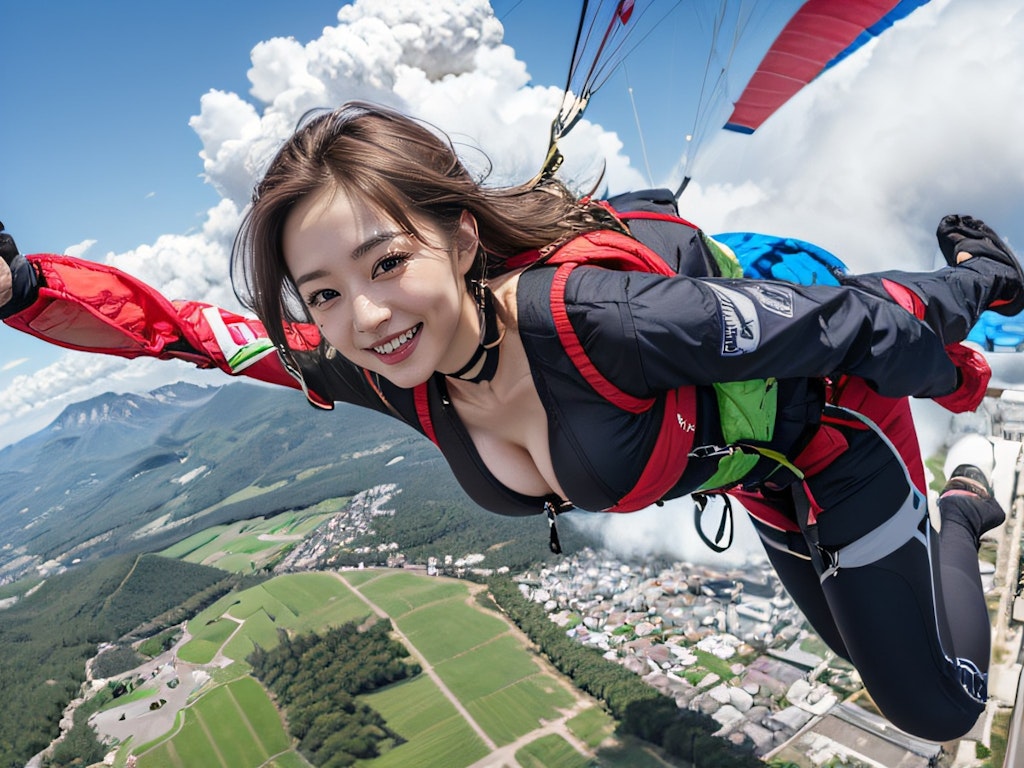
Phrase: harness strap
(700, 502)
(675, 436)
(421, 399)
(903, 526)
(883, 540)
(578, 355)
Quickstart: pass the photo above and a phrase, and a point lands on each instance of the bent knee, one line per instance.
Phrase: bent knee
(936, 716)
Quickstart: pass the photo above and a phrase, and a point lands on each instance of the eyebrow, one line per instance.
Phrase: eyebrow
(373, 242)
(360, 250)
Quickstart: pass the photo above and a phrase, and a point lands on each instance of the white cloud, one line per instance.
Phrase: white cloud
(79, 249)
(11, 364)
(923, 122)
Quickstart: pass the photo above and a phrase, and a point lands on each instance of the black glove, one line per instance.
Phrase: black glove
(8, 250)
(23, 277)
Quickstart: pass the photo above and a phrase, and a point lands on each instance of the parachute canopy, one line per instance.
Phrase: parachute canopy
(816, 35)
(820, 35)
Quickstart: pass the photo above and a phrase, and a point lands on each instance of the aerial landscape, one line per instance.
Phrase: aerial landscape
(810, 403)
(164, 669)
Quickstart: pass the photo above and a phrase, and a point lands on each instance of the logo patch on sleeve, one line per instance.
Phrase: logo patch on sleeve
(774, 298)
(741, 330)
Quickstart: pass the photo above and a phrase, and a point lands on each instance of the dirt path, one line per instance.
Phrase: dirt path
(499, 757)
(135, 719)
(427, 667)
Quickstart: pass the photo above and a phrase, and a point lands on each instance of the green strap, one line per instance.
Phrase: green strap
(746, 411)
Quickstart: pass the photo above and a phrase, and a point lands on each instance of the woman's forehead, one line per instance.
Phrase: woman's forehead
(334, 209)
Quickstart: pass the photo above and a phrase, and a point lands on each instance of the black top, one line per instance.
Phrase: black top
(649, 333)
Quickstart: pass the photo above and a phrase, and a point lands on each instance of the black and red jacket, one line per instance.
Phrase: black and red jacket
(648, 334)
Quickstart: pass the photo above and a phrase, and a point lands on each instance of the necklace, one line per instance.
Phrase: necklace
(486, 354)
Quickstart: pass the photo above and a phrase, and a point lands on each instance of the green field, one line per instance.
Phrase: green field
(233, 726)
(206, 641)
(475, 653)
(435, 733)
(592, 726)
(551, 751)
(480, 659)
(248, 545)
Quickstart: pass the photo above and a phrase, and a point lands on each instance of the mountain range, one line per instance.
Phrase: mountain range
(128, 473)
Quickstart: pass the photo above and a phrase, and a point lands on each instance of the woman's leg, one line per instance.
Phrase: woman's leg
(884, 584)
(967, 510)
(792, 563)
(983, 274)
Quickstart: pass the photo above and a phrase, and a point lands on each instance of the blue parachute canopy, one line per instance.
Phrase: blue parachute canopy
(783, 258)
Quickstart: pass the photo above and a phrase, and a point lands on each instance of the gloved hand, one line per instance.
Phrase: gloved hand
(18, 284)
(974, 377)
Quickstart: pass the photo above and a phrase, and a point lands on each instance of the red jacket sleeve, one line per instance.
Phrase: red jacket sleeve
(94, 307)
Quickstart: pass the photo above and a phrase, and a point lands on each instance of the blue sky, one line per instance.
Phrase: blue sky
(98, 148)
(97, 144)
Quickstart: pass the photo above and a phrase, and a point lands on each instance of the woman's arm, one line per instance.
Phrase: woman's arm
(659, 333)
(82, 305)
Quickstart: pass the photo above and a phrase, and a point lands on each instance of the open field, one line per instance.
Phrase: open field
(482, 692)
(436, 734)
(232, 725)
(248, 545)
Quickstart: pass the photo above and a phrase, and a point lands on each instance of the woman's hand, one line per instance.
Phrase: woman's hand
(8, 250)
(6, 284)
(19, 286)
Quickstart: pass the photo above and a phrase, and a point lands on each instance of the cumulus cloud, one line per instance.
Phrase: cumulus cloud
(922, 122)
(78, 250)
(925, 121)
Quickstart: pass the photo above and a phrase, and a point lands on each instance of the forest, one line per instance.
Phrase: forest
(641, 711)
(47, 636)
(316, 678)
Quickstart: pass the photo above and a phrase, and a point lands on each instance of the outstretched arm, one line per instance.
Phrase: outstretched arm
(677, 331)
(93, 307)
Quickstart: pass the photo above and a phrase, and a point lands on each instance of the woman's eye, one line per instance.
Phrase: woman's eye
(321, 297)
(389, 262)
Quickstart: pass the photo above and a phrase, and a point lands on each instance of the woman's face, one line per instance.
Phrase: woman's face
(386, 300)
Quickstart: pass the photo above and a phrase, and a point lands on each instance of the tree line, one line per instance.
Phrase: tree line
(641, 710)
(316, 678)
(46, 638)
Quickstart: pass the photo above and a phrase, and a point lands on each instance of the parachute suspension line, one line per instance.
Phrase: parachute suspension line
(639, 129)
(713, 89)
(571, 108)
(600, 40)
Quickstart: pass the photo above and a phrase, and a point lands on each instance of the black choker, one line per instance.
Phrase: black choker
(487, 349)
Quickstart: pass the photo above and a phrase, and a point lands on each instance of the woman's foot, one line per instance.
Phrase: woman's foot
(963, 237)
(967, 477)
(967, 499)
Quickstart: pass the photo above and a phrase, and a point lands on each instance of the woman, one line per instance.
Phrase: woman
(435, 299)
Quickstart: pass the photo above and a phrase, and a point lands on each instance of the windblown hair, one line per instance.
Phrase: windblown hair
(405, 170)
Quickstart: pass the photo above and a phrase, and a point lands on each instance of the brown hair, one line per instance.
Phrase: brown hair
(400, 166)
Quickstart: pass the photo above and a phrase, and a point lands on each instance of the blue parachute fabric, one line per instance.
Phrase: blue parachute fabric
(783, 258)
(996, 333)
(798, 261)
(900, 11)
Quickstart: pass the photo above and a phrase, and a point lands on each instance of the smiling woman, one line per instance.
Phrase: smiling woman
(394, 295)
(557, 361)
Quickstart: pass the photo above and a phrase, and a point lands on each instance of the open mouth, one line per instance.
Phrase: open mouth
(392, 345)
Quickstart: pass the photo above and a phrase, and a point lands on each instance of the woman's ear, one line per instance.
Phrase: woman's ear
(467, 242)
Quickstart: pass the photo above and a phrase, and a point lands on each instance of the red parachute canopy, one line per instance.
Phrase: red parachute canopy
(820, 34)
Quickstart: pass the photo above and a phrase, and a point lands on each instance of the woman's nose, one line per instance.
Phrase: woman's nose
(367, 314)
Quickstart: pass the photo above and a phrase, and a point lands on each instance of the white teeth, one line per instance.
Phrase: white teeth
(391, 346)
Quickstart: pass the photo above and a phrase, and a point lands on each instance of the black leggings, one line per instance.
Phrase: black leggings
(854, 547)
(908, 609)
